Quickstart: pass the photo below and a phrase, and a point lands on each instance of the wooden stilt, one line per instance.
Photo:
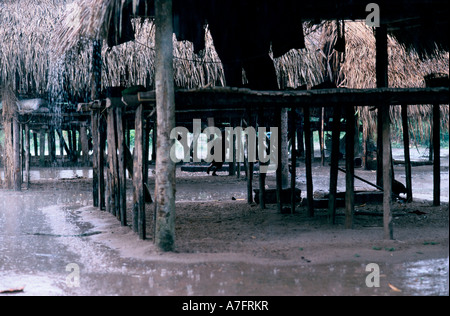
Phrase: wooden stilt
(279, 171)
(293, 159)
(350, 166)
(101, 161)
(139, 223)
(27, 156)
(112, 166)
(334, 164)
(165, 104)
(84, 144)
(42, 148)
(387, 174)
(122, 184)
(16, 159)
(437, 155)
(308, 162)
(95, 149)
(409, 195)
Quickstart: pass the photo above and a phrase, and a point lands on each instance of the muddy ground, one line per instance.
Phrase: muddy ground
(259, 252)
(213, 217)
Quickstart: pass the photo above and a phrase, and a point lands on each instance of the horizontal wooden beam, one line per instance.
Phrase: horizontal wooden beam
(225, 98)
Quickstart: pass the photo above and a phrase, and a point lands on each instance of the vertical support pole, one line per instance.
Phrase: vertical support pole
(437, 155)
(334, 164)
(165, 104)
(42, 148)
(407, 155)
(308, 162)
(139, 223)
(279, 172)
(122, 185)
(350, 166)
(384, 170)
(382, 82)
(284, 144)
(262, 175)
(101, 161)
(293, 159)
(322, 136)
(95, 152)
(387, 174)
(16, 156)
(27, 156)
(84, 144)
(112, 166)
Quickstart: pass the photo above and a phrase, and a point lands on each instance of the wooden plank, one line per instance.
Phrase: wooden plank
(437, 155)
(165, 105)
(279, 171)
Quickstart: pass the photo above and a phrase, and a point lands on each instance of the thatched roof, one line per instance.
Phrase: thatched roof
(31, 59)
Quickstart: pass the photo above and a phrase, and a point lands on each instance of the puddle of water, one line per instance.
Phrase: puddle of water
(427, 277)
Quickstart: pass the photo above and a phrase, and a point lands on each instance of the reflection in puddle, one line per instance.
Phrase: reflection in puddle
(427, 277)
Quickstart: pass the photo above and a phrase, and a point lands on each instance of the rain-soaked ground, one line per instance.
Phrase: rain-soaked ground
(46, 248)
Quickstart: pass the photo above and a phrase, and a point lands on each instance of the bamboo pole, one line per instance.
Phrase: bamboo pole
(293, 159)
(165, 105)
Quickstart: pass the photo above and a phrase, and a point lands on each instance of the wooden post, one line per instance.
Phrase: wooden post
(101, 161)
(322, 136)
(112, 163)
(27, 156)
(165, 105)
(35, 142)
(409, 195)
(437, 155)
(84, 144)
(334, 164)
(284, 148)
(139, 223)
(42, 148)
(293, 160)
(262, 175)
(122, 185)
(279, 171)
(384, 170)
(350, 166)
(308, 162)
(382, 82)
(387, 174)
(95, 150)
(16, 156)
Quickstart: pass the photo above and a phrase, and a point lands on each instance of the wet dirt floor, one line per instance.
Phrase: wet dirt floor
(52, 242)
